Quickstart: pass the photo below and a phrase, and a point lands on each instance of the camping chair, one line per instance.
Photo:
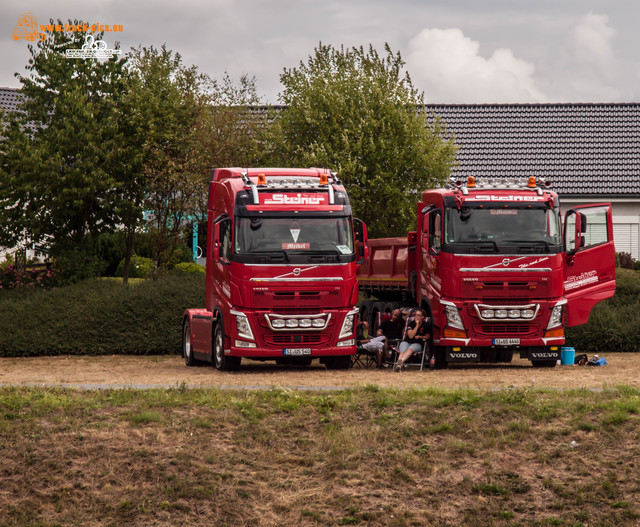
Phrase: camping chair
(417, 358)
(363, 357)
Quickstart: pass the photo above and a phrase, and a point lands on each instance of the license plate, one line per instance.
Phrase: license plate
(506, 342)
(296, 352)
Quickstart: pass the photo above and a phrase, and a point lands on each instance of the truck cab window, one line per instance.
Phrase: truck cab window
(225, 240)
(435, 231)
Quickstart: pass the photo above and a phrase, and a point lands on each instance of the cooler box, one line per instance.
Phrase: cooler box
(567, 355)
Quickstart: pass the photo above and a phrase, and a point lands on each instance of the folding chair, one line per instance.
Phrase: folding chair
(419, 357)
(363, 358)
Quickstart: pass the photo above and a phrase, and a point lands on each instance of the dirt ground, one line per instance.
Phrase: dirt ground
(168, 371)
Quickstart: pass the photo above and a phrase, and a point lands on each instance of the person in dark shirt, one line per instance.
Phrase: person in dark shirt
(373, 345)
(417, 334)
(392, 328)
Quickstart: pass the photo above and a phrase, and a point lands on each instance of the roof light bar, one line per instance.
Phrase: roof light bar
(531, 182)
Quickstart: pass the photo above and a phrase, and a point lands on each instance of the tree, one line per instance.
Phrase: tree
(355, 112)
(180, 124)
(55, 183)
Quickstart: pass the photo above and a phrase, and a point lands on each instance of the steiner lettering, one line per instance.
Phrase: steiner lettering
(297, 199)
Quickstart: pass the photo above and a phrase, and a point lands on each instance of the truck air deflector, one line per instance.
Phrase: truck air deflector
(311, 279)
(505, 270)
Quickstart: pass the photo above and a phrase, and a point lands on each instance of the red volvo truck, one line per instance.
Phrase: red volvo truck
(496, 270)
(282, 251)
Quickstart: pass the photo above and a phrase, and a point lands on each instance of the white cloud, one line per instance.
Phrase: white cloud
(586, 67)
(591, 40)
(450, 69)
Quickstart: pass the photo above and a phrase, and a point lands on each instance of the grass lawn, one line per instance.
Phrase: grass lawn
(367, 456)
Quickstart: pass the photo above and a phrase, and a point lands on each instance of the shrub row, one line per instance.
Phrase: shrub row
(103, 317)
(99, 317)
(614, 324)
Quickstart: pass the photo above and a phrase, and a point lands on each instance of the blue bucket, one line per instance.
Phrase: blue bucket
(567, 355)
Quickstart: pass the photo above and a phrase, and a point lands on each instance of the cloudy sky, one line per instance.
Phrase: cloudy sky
(457, 51)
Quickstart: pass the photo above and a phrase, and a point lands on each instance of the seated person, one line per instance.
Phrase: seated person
(392, 328)
(373, 346)
(417, 334)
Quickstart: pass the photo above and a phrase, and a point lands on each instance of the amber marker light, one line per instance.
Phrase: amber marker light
(324, 180)
(455, 333)
(471, 182)
(262, 180)
(557, 332)
(532, 182)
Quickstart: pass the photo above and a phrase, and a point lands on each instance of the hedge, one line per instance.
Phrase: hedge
(99, 317)
(104, 317)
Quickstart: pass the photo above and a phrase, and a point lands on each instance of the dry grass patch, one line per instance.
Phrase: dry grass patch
(368, 456)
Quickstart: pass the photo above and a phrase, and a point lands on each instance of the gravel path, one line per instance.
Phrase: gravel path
(105, 372)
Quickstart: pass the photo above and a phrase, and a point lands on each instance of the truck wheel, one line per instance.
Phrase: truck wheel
(342, 362)
(440, 355)
(544, 363)
(187, 350)
(378, 307)
(222, 362)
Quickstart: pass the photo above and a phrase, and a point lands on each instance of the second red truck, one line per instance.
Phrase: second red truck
(496, 269)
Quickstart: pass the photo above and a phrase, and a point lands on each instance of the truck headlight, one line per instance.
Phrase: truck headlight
(348, 324)
(556, 315)
(454, 319)
(242, 325)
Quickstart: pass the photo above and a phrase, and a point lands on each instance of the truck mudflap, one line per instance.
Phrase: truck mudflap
(536, 354)
(543, 354)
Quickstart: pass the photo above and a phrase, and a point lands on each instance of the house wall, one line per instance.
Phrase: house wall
(626, 221)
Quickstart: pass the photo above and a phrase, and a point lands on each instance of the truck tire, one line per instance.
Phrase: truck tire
(378, 307)
(221, 361)
(341, 362)
(544, 363)
(440, 356)
(187, 350)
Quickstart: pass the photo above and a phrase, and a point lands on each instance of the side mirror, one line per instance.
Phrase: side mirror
(362, 240)
(583, 222)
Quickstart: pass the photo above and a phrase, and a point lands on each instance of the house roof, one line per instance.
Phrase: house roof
(582, 149)
(10, 98)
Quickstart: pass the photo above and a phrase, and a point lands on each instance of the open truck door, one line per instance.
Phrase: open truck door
(589, 264)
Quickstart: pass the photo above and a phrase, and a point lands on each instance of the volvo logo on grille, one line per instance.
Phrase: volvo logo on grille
(296, 271)
(506, 262)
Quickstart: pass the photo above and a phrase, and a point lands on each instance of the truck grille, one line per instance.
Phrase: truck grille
(505, 329)
(279, 340)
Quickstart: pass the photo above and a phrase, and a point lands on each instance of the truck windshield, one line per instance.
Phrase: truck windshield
(298, 238)
(505, 229)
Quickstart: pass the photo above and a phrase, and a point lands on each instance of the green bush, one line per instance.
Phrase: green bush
(99, 317)
(138, 268)
(189, 267)
(625, 260)
(614, 324)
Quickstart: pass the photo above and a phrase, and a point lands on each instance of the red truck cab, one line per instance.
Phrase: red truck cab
(280, 270)
(496, 269)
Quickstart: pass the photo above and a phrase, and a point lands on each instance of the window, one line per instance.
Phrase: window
(435, 231)
(225, 240)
